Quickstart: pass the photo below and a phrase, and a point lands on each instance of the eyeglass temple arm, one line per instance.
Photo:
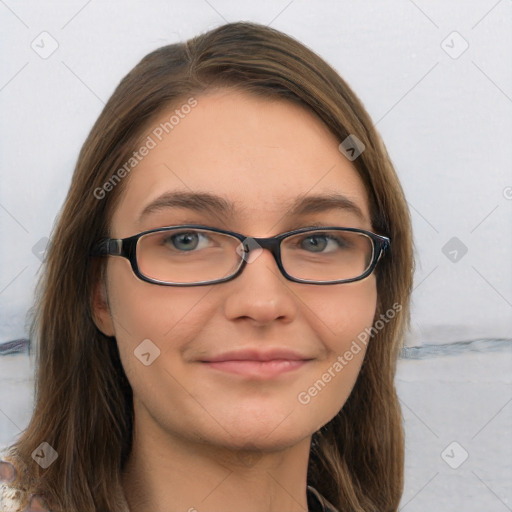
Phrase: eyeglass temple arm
(111, 246)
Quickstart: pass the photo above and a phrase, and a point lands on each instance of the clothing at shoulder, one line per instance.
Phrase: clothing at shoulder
(13, 498)
(9, 500)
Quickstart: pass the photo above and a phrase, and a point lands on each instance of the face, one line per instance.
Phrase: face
(261, 156)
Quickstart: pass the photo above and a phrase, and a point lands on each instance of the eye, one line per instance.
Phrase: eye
(187, 241)
(322, 241)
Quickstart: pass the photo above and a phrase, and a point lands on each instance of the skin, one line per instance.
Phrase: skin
(204, 439)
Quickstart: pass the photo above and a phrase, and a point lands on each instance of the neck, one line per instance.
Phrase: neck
(170, 474)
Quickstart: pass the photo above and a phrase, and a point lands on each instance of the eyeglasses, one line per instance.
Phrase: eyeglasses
(195, 255)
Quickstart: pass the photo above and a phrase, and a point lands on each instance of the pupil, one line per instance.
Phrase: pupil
(186, 237)
(313, 242)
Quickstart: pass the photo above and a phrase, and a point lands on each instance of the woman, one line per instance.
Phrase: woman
(225, 295)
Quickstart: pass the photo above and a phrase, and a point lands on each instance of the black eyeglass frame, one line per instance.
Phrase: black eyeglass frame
(127, 248)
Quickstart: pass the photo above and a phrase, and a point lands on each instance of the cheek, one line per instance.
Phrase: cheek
(161, 314)
(342, 312)
(341, 317)
(153, 326)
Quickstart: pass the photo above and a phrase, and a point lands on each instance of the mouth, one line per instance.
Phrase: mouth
(257, 364)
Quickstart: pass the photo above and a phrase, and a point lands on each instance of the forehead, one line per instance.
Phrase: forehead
(260, 155)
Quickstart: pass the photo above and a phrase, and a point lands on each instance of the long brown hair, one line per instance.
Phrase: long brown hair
(83, 401)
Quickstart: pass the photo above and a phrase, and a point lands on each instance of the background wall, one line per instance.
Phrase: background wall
(436, 78)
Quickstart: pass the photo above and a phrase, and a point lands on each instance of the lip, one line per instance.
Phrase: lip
(257, 363)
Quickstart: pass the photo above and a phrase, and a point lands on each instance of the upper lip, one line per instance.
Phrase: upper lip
(257, 355)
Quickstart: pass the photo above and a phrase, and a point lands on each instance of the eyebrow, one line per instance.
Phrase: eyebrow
(210, 203)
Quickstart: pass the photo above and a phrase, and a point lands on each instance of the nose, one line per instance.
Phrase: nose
(260, 293)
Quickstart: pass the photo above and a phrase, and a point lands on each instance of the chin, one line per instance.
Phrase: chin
(260, 443)
(268, 433)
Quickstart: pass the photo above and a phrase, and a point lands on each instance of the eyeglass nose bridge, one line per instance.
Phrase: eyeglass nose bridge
(250, 248)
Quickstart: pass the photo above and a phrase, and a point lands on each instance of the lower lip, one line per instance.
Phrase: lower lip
(260, 369)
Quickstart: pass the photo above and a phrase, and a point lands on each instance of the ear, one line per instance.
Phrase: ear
(101, 310)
